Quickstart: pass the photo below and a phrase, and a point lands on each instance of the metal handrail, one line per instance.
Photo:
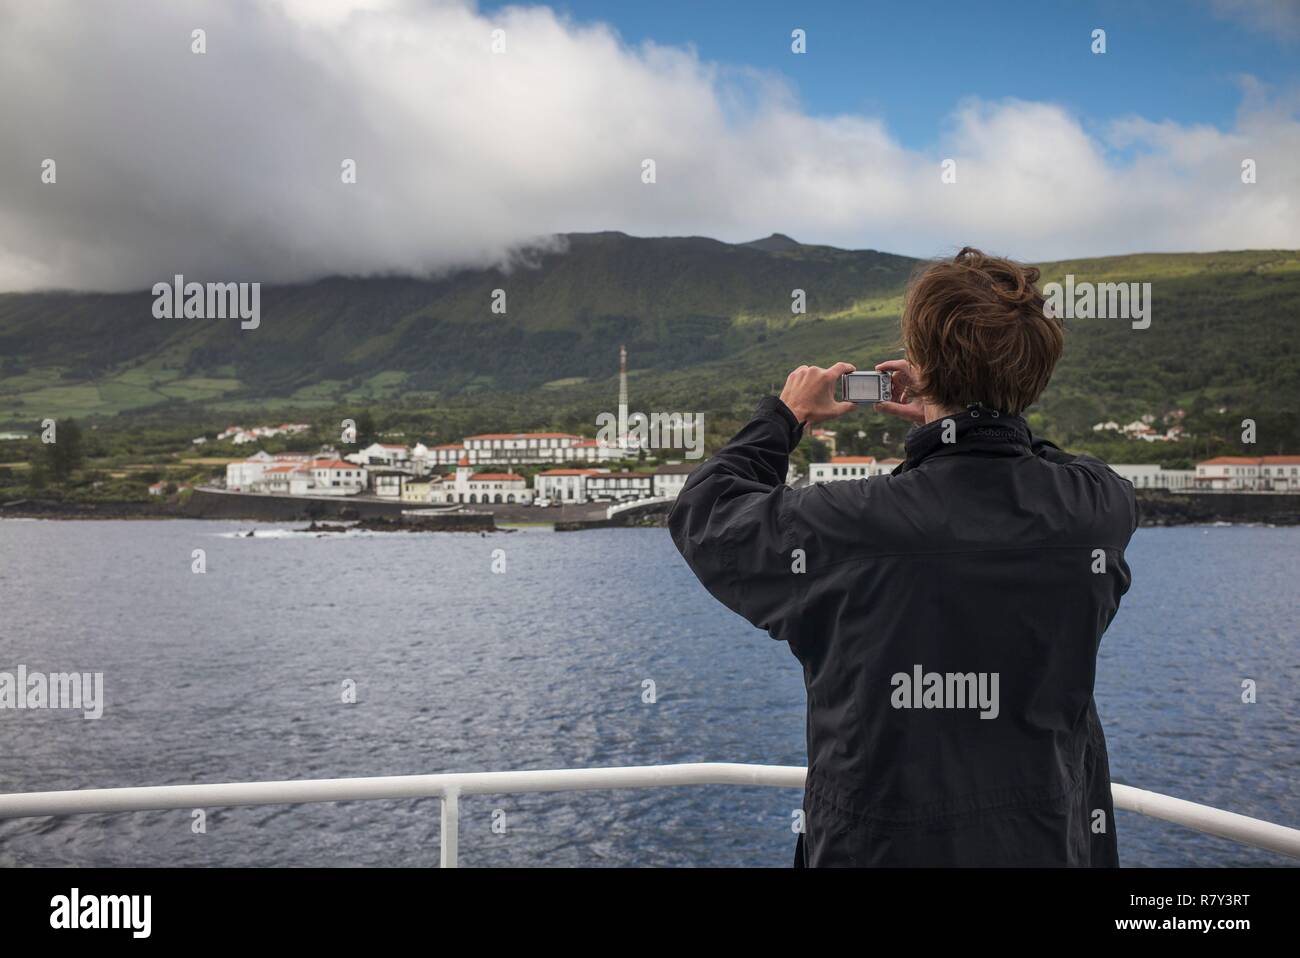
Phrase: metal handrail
(613, 510)
(450, 786)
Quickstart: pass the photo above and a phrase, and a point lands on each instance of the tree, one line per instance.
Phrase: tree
(365, 429)
(64, 456)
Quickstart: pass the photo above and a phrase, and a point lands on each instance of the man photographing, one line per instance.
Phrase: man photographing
(947, 616)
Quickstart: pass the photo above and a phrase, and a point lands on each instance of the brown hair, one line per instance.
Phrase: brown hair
(975, 331)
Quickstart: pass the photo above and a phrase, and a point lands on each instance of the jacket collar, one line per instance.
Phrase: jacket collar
(979, 430)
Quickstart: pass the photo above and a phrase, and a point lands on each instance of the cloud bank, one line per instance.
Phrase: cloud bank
(227, 165)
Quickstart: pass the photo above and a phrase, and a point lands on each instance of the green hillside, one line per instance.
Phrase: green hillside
(708, 327)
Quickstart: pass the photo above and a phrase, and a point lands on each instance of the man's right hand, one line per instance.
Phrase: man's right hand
(904, 405)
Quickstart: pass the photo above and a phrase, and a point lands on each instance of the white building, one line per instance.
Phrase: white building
(420, 490)
(669, 479)
(382, 454)
(1280, 473)
(563, 485)
(336, 477)
(620, 485)
(290, 479)
(517, 449)
(1249, 473)
(841, 467)
(850, 467)
(240, 476)
(1147, 476)
(388, 483)
(1225, 473)
(470, 488)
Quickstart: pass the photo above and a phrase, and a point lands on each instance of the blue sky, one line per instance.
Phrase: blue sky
(910, 62)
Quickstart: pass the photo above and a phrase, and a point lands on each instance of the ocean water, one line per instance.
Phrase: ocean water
(236, 675)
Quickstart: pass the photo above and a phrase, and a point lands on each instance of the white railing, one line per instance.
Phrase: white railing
(449, 787)
(618, 507)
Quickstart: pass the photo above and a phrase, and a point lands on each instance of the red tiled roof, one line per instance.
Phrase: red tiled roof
(496, 477)
(1280, 460)
(525, 435)
(842, 460)
(333, 464)
(1230, 461)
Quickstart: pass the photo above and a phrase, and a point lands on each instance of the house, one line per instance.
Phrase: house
(841, 467)
(467, 487)
(158, 489)
(563, 485)
(1147, 476)
(241, 476)
(669, 478)
(620, 485)
(1228, 473)
(593, 450)
(826, 437)
(388, 483)
(522, 448)
(381, 454)
(850, 467)
(1280, 473)
(1249, 473)
(420, 490)
(336, 477)
(286, 478)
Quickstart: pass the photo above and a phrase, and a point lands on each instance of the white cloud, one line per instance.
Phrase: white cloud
(1280, 18)
(226, 165)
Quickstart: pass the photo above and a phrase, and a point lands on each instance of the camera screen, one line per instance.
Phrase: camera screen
(862, 388)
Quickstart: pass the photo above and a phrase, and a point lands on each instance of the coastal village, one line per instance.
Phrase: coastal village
(542, 469)
(420, 474)
(478, 471)
(570, 469)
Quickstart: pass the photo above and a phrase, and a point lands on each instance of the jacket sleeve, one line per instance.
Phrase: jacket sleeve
(1053, 453)
(731, 521)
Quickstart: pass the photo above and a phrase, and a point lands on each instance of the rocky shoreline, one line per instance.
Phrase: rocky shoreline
(1158, 508)
(453, 522)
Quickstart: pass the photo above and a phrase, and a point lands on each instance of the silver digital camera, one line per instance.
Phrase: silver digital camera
(870, 387)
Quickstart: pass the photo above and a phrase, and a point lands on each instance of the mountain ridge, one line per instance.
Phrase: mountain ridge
(703, 321)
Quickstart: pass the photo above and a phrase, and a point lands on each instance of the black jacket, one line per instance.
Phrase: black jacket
(994, 562)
